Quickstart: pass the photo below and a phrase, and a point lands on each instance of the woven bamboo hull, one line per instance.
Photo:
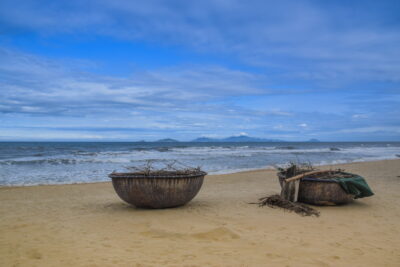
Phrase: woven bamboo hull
(317, 192)
(157, 193)
(323, 193)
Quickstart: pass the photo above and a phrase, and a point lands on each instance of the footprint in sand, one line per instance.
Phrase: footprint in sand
(34, 254)
(358, 251)
(163, 234)
(216, 234)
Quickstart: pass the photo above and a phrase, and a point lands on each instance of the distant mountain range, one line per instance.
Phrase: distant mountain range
(232, 139)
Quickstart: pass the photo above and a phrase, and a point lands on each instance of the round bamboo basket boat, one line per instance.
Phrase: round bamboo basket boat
(157, 191)
(325, 192)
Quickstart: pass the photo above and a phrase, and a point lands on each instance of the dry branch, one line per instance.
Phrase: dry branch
(274, 201)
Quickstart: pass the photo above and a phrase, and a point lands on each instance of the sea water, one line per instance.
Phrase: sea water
(32, 163)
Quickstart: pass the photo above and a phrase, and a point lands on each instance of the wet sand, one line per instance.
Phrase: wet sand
(88, 225)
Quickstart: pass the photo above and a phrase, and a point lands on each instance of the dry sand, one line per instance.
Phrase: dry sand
(88, 225)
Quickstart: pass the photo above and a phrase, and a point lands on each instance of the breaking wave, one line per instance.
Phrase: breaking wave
(55, 163)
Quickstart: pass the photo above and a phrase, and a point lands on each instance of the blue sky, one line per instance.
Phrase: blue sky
(129, 70)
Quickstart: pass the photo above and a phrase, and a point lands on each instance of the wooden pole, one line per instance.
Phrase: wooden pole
(304, 175)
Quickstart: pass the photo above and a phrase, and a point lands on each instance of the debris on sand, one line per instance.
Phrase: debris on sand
(274, 201)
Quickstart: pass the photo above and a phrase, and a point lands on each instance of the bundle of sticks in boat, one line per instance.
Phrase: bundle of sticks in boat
(295, 169)
(175, 168)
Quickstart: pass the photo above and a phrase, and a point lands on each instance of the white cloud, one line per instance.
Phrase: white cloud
(328, 42)
(373, 129)
(300, 46)
(58, 90)
(180, 99)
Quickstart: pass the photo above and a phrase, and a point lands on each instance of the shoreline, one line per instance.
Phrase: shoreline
(208, 175)
(89, 225)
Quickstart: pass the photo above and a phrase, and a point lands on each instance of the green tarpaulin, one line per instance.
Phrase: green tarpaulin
(355, 185)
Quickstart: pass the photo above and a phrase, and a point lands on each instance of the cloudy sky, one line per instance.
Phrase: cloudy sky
(131, 70)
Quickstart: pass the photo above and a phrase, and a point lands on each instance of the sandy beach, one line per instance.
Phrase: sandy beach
(88, 225)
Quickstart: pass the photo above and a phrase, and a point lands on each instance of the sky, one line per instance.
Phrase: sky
(111, 70)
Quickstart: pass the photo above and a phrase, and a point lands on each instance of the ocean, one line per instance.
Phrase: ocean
(34, 163)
